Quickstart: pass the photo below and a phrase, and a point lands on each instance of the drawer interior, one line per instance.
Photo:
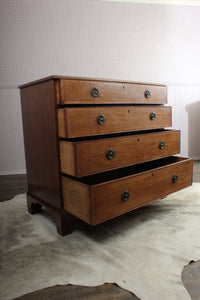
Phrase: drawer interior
(130, 170)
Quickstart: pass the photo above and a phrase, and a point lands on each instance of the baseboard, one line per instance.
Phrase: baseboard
(13, 172)
(195, 157)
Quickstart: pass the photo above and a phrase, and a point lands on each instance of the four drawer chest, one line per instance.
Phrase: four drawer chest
(96, 148)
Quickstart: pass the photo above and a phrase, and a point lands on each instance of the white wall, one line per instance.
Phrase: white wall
(139, 42)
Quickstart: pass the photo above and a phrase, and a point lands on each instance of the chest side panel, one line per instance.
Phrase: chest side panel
(40, 138)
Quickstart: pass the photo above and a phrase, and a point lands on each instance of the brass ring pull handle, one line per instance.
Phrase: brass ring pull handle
(95, 92)
(101, 119)
(110, 154)
(161, 145)
(174, 178)
(152, 116)
(125, 195)
(147, 94)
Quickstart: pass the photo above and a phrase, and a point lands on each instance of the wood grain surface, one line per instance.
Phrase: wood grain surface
(80, 91)
(83, 121)
(90, 157)
(40, 138)
(145, 183)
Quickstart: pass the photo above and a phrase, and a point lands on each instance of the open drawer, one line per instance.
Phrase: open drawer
(95, 120)
(81, 157)
(97, 198)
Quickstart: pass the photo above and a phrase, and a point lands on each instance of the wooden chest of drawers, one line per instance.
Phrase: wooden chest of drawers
(96, 149)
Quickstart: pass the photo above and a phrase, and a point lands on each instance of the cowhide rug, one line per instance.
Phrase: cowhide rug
(143, 251)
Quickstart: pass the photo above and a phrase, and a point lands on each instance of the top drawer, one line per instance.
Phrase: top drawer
(82, 91)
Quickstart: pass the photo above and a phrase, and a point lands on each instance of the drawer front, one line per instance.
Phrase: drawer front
(89, 157)
(88, 121)
(102, 92)
(115, 198)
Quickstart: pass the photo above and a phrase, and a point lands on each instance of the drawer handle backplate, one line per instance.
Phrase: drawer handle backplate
(174, 178)
(110, 154)
(101, 119)
(95, 92)
(125, 195)
(161, 145)
(147, 94)
(152, 116)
